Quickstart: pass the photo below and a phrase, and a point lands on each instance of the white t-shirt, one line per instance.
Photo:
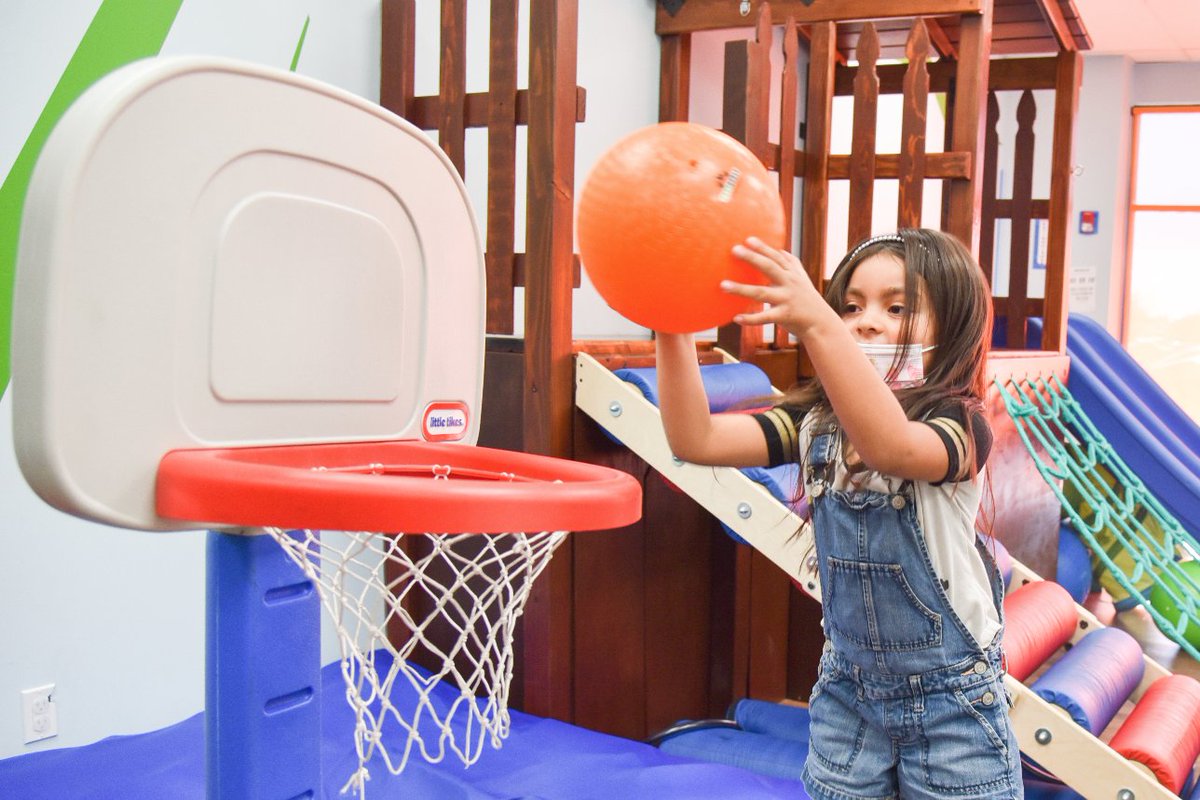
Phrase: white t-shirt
(946, 510)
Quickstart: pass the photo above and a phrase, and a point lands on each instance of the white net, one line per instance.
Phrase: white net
(449, 602)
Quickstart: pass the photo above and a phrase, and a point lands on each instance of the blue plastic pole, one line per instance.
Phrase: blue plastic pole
(262, 673)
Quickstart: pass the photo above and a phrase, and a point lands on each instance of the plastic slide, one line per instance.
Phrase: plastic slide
(1148, 430)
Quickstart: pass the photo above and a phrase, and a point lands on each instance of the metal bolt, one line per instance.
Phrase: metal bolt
(677, 461)
(744, 8)
(744, 510)
(1042, 736)
(1125, 794)
(614, 408)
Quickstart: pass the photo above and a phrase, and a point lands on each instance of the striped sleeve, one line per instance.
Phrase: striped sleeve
(780, 425)
(951, 424)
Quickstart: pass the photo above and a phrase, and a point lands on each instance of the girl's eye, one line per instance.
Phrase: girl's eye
(896, 309)
(850, 308)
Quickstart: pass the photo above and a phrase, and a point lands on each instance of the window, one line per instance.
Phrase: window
(1163, 300)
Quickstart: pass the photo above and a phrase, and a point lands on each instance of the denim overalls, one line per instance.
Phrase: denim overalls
(907, 704)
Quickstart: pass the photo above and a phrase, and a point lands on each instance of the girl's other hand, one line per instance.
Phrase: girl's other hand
(792, 300)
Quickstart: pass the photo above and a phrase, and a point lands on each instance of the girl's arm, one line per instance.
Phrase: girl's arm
(693, 433)
(874, 422)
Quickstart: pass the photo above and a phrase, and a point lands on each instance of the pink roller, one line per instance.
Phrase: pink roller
(1039, 617)
(1163, 730)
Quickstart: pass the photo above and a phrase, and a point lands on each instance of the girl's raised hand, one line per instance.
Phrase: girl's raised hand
(791, 299)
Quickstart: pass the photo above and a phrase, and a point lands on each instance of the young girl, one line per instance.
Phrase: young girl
(910, 700)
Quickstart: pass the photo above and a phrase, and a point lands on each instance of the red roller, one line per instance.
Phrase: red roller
(1039, 618)
(1163, 730)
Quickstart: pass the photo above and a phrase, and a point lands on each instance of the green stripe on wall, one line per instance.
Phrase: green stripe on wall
(122, 31)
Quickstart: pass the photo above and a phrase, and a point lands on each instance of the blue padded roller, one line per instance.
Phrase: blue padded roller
(1074, 564)
(1094, 677)
(727, 385)
(772, 719)
(757, 752)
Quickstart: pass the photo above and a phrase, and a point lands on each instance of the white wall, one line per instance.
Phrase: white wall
(1112, 85)
(116, 618)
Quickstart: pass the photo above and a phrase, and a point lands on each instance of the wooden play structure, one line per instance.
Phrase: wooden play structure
(630, 630)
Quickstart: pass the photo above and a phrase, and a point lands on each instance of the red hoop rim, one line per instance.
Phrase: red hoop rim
(375, 486)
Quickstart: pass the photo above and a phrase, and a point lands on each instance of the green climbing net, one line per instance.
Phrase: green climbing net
(1140, 544)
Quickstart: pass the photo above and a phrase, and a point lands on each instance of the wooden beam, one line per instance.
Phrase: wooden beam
(940, 40)
(1058, 244)
(815, 211)
(912, 128)
(887, 165)
(451, 130)
(966, 125)
(674, 77)
(425, 111)
(702, 15)
(501, 166)
(862, 139)
(1005, 74)
(1052, 11)
(549, 372)
(396, 56)
(745, 116)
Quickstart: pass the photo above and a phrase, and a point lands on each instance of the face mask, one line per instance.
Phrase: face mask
(910, 366)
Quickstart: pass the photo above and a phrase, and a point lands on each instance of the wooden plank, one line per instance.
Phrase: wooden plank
(745, 117)
(702, 15)
(819, 109)
(1022, 191)
(1035, 72)
(966, 126)
(770, 588)
(987, 206)
(862, 139)
(940, 39)
(790, 87)
(1038, 209)
(453, 85)
(549, 376)
(674, 77)
(426, 111)
(1058, 245)
(887, 165)
(1052, 11)
(501, 166)
(912, 128)
(397, 53)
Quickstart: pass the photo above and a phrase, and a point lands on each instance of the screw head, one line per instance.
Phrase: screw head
(744, 8)
(744, 510)
(614, 408)
(1125, 794)
(1043, 736)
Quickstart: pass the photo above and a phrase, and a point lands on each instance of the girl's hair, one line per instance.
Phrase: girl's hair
(959, 302)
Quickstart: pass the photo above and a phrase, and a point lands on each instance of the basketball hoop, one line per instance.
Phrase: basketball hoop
(468, 530)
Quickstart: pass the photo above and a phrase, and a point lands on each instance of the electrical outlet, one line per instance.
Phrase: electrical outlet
(39, 713)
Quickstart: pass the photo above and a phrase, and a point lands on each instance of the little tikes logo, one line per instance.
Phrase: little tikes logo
(444, 421)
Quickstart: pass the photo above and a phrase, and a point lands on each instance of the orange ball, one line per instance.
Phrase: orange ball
(658, 215)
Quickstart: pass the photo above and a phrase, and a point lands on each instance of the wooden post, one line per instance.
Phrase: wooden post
(1021, 216)
(675, 73)
(970, 97)
(1058, 247)
(396, 56)
(502, 160)
(453, 86)
(912, 128)
(862, 145)
(549, 374)
(815, 216)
